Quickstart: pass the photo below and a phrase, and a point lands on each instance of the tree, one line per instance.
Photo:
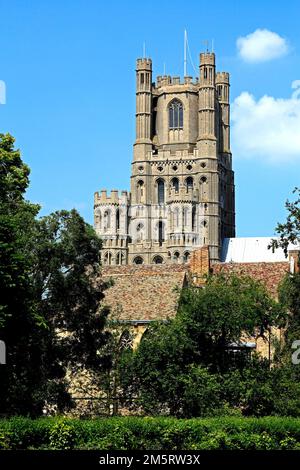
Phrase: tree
(50, 310)
(18, 319)
(289, 232)
(226, 309)
(178, 366)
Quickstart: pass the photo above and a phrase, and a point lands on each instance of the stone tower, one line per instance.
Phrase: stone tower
(182, 183)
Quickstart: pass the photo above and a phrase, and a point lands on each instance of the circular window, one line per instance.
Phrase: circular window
(141, 169)
(203, 164)
(138, 260)
(189, 167)
(174, 167)
(160, 168)
(203, 179)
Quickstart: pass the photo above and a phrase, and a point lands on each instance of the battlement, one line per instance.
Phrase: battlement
(222, 77)
(101, 197)
(167, 80)
(207, 58)
(144, 64)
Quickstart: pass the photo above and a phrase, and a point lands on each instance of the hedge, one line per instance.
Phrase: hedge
(129, 433)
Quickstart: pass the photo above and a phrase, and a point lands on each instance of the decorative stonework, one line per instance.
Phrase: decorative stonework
(182, 183)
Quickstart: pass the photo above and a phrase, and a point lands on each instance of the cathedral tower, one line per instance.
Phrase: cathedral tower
(182, 183)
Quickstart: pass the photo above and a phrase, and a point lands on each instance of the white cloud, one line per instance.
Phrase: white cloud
(267, 128)
(261, 45)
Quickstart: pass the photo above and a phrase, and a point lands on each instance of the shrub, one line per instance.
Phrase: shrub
(148, 433)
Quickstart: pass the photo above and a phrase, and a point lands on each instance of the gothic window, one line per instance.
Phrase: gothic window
(160, 191)
(176, 217)
(194, 219)
(175, 184)
(139, 232)
(140, 191)
(161, 232)
(158, 259)
(138, 260)
(176, 256)
(118, 219)
(203, 179)
(126, 340)
(185, 217)
(189, 183)
(106, 219)
(175, 115)
(118, 258)
(98, 220)
(107, 258)
(186, 256)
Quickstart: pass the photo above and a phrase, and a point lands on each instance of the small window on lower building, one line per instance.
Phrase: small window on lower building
(138, 260)
(126, 340)
(158, 259)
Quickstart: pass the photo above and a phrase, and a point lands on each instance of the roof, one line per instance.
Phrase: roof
(143, 292)
(269, 274)
(251, 250)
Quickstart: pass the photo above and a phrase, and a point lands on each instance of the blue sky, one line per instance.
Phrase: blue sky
(69, 67)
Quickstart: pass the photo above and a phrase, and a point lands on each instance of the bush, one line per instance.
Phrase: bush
(132, 433)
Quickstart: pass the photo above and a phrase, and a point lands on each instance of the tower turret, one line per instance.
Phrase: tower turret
(143, 108)
(207, 137)
(222, 86)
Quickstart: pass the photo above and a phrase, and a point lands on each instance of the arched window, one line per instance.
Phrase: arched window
(139, 232)
(107, 258)
(160, 191)
(176, 256)
(118, 258)
(176, 218)
(98, 220)
(126, 340)
(186, 256)
(138, 260)
(161, 232)
(106, 219)
(118, 219)
(189, 182)
(186, 217)
(175, 115)
(175, 184)
(140, 191)
(193, 218)
(158, 259)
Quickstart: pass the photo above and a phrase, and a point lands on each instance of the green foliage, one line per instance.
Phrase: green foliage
(228, 307)
(62, 435)
(14, 174)
(183, 368)
(49, 283)
(289, 232)
(223, 433)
